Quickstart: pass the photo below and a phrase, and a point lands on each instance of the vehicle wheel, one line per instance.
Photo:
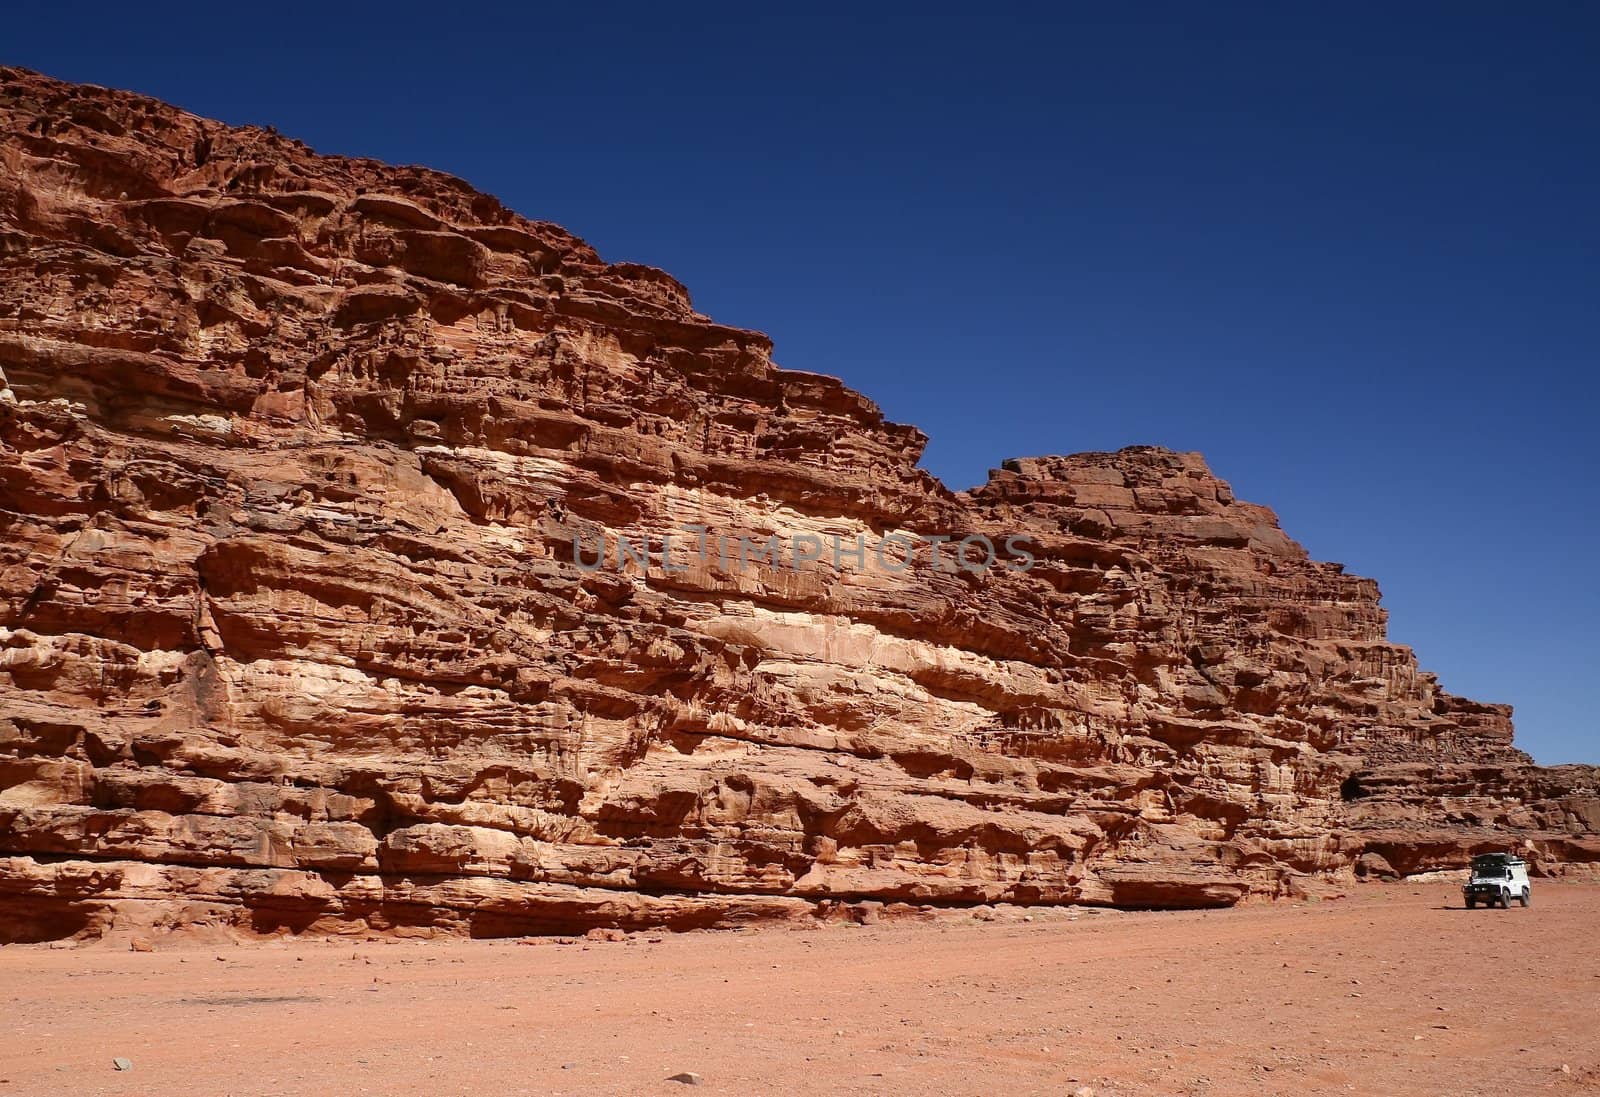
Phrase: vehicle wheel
(1471, 903)
(1505, 900)
(1527, 897)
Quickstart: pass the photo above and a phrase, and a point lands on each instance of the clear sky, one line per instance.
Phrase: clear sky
(1350, 252)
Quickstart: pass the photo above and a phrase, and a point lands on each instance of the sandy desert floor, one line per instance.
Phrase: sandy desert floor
(1393, 990)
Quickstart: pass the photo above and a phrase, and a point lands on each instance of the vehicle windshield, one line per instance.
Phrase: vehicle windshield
(1491, 867)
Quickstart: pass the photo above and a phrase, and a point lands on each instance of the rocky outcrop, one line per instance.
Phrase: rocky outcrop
(304, 466)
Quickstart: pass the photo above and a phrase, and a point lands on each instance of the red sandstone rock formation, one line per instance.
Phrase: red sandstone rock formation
(293, 453)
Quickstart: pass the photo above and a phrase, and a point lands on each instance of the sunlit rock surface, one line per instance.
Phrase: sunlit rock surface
(294, 454)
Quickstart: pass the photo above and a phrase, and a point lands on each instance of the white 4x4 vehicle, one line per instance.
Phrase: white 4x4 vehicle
(1497, 878)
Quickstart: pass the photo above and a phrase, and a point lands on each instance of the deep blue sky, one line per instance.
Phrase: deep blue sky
(1350, 252)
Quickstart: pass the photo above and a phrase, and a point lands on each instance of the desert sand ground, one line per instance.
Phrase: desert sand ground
(1392, 990)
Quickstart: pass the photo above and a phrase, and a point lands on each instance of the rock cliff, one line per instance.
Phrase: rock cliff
(304, 465)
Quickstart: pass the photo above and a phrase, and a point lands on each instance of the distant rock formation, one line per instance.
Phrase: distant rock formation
(294, 454)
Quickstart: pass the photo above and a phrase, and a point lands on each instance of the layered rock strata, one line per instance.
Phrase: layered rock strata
(303, 464)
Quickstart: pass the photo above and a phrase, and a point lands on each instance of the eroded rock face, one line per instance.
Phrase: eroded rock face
(294, 453)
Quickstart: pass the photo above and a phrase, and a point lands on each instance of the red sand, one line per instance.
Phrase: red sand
(1395, 990)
